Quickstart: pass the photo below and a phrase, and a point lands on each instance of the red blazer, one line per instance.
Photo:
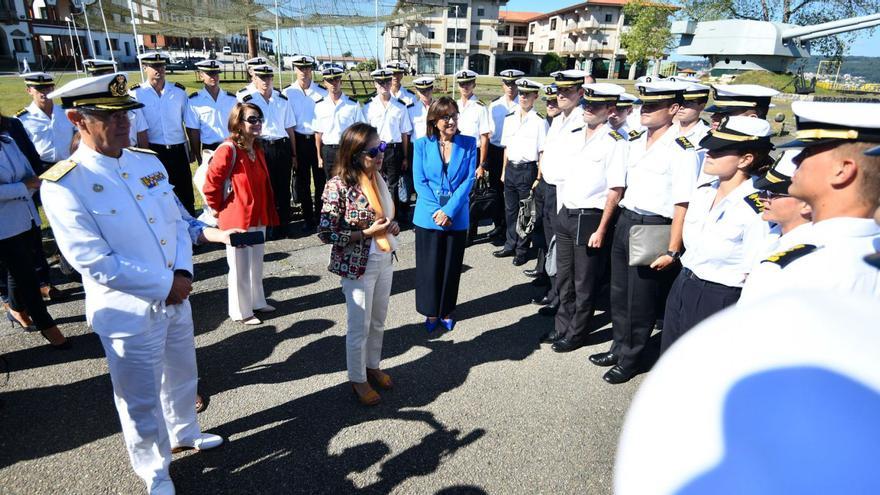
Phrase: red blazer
(251, 202)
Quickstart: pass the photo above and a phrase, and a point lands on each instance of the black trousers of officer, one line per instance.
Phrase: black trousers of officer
(579, 271)
(392, 170)
(211, 146)
(547, 207)
(40, 265)
(279, 162)
(518, 180)
(638, 293)
(692, 300)
(439, 256)
(495, 159)
(328, 156)
(176, 161)
(16, 253)
(306, 170)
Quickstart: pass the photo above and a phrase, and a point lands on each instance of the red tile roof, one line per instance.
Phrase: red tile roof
(518, 16)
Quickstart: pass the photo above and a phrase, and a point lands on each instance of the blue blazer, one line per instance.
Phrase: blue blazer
(427, 176)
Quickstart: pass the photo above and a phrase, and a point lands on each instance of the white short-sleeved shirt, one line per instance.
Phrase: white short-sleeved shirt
(473, 118)
(418, 117)
(523, 135)
(210, 116)
(696, 134)
(277, 113)
(390, 118)
(659, 177)
(332, 119)
(499, 109)
(599, 165)
(51, 134)
(723, 242)
(836, 263)
(561, 144)
(303, 102)
(405, 96)
(138, 123)
(762, 274)
(163, 113)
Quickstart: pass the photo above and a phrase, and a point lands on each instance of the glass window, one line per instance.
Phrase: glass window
(454, 62)
(455, 35)
(97, 46)
(551, 44)
(519, 31)
(481, 12)
(127, 49)
(429, 63)
(609, 18)
(553, 24)
(19, 45)
(431, 34)
(531, 46)
(457, 10)
(479, 35)
(531, 28)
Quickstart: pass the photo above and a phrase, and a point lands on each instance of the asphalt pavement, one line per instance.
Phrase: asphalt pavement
(482, 409)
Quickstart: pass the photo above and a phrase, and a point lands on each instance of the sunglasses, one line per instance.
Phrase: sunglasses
(768, 195)
(449, 118)
(254, 120)
(373, 152)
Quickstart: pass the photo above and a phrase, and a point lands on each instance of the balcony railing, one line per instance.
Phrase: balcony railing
(8, 15)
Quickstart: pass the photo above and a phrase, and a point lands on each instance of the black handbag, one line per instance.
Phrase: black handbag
(483, 199)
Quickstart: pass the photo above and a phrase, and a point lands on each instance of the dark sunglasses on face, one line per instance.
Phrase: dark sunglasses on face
(768, 195)
(254, 120)
(373, 152)
(449, 118)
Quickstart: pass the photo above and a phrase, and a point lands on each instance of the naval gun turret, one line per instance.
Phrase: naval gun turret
(735, 45)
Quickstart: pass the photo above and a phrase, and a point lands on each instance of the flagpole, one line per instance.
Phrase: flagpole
(106, 32)
(137, 43)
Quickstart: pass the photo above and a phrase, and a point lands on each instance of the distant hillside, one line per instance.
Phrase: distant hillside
(867, 67)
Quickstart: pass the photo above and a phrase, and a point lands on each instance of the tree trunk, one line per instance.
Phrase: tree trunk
(253, 45)
(786, 10)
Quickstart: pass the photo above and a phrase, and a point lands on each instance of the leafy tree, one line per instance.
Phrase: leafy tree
(367, 66)
(799, 12)
(551, 62)
(648, 36)
(346, 54)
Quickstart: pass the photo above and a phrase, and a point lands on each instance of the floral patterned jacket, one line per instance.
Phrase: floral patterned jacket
(345, 210)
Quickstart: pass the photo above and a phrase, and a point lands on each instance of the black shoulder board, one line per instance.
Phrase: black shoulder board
(21, 112)
(480, 102)
(247, 98)
(633, 135)
(754, 203)
(142, 150)
(579, 129)
(410, 105)
(280, 95)
(134, 86)
(684, 143)
(194, 94)
(319, 100)
(704, 121)
(541, 115)
(616, 135)
(181, 86)
(243, 89)
(511, 113)
(784, 258)
(230, 93)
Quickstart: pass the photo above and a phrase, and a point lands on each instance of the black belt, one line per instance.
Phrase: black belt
(331, 146)
(392, 145)
(521, 164)
(573, 212)
(168, 146)
(687, 273)
(305, 136)
(275, 141)
(639, 217)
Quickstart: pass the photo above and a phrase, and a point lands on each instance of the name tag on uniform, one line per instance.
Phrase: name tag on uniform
(152, 180)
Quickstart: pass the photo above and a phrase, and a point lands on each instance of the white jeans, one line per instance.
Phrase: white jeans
(154, 385)
(366, 300)
(246, 278)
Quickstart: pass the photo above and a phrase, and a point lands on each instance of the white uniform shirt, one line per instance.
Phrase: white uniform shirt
(117, 223)
(391, 119)
(277, 113)
(763, 273)
(138, 123)
(634, 119)
(723, 242)
(51, 135)
(303, 102)
(695, 134)
(561, 144)
(659, 177)
(499, 109)
(836, 263)
(598, 165)
(405, 96)
(418, 117)
(523, 135)
(164, 113)
(332, 119)
(473, 118)
(210, 116)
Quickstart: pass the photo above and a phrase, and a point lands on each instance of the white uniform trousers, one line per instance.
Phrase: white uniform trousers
(366, 300)
(246, 278)
(154, 385)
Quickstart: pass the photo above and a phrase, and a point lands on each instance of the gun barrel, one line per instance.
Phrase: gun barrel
(831, 32)
(827, 26)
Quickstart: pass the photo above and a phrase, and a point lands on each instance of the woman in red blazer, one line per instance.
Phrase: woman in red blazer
(245, 202)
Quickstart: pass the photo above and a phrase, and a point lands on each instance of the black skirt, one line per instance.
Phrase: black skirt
(439, 255)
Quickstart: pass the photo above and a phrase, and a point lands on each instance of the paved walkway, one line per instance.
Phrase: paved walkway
(483, 409)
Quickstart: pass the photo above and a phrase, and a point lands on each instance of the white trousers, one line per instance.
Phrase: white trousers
(366, 300)
(246, 278)
(154, 385)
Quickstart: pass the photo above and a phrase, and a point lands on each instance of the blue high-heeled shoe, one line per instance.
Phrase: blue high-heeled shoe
(448, 323)
(430, 326)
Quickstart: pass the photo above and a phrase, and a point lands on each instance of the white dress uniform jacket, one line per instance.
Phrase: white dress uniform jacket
(51, 134)
(722, 243)
(659, 177)
(563, 140)
(303, 102)
(418, 117)
(117, 223)
(210, 116)
(597, 166)
(830, 256)
(164, 113)
(391, 119)
(524, 135)
(278, 115)
(473, 118)
(499, 109)
(332, 119)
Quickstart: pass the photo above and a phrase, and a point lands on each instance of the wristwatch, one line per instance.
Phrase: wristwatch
(675, 255)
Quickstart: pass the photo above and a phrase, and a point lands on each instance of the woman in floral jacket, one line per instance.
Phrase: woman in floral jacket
(357, 221)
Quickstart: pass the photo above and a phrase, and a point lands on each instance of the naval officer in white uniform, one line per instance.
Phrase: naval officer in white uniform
(116, 221)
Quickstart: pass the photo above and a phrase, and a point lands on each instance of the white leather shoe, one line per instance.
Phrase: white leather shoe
(250, 320)
(206, 441)
(265, 309)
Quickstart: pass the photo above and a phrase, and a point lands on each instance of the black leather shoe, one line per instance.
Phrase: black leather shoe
(503, 253)
(618, 375)
(567, 345)
(531, 273)
(604, 359)
(543, 281)
(550, 337)
(519, 261)
(548, 310)
(541, 301)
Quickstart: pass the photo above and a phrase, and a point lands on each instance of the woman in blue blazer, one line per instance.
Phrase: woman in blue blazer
(444, 164)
